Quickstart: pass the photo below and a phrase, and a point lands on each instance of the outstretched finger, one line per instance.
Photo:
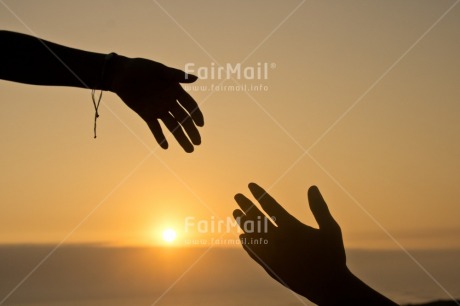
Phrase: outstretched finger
(157, 132)
(190, 105)
(240, 218)
(253, 224)
(269, 204)
(177, 75)
(320, 210)
(175, 128)
(248, 207)
(184, 119)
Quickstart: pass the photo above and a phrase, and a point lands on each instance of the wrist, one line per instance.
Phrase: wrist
(350, 290)
(340, 288)
(113, 71)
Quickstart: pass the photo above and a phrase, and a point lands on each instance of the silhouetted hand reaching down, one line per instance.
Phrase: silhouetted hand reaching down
(307, 260)
(151, 89)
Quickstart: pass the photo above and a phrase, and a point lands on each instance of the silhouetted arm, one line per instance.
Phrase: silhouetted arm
(151, 89)
(309, 261)
(30, 60)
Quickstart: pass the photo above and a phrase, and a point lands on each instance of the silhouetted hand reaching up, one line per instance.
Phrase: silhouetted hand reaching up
(153, 91)
(307, 260)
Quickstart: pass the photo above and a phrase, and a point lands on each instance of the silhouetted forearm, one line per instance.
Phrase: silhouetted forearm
(352, 291)
(27, 59)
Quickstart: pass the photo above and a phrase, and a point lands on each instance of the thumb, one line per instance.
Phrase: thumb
(176, 75)
(320, 210)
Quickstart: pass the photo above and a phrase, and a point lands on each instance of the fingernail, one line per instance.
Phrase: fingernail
(191, 77)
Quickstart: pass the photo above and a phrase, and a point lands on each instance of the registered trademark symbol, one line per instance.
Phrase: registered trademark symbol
(273, 65)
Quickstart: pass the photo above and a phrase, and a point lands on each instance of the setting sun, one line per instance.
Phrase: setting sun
(169, 235)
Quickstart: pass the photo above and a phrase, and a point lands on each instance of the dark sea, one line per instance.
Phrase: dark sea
(94, 275)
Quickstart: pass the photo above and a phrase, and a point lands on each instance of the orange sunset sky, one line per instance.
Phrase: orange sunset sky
(362, 99)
